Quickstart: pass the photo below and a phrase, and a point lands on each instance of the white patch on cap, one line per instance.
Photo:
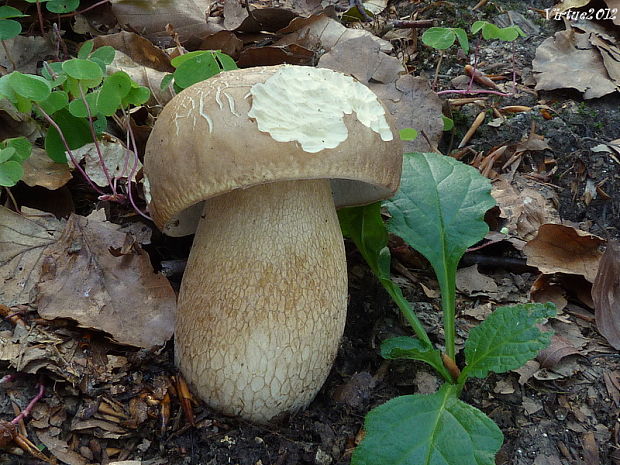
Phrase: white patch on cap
(307, 105)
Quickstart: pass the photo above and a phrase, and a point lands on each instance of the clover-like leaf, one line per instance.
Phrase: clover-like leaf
(75, 131)
(82, 69)
(10, 173)
(62, 6)
(506, 339)
(21, 146)
(440, 38)
(10, 12)
(30, 86)
(436, 429)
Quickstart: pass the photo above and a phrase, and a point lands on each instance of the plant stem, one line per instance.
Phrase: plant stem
(40, 15)
(75, 13)
(406, 310)
(448, 305)
(52, 123)
(29, 407)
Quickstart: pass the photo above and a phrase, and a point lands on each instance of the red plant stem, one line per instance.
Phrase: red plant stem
(473, 92)
(29, 407)
(134, 169)
(52, 123)
(93, 134)
(92, 7)
(7, 379)
(40, 15)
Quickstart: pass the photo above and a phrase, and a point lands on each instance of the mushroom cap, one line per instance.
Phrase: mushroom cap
(253, 126)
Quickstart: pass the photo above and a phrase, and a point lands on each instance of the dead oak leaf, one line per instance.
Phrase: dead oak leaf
(563, 249)
(606, 295)
(119, 295)
(569, 60)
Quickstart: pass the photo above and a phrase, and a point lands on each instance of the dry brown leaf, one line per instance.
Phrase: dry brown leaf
(119, 295)
(545, 290)
(413, 104)
(471, 282)
(564, 249)
(565, 5)
(23, 239)
(120, 163)
(569, 60)
(226, 41)
(362, 58)
(140, 50)
(238, 18)
(187, 17)
(523, 206)
(59, 448)
(611, 56)
(25, 52)
(606, 295)
(41, 170)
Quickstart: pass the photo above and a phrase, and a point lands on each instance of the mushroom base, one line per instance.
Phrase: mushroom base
(263, 301)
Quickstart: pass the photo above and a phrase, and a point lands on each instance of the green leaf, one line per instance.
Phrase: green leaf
(506, 339)
(7, 153)
(10, 12)
(195, 69)
(226, 62)
(30, 86)
(105, 54)
(404, 347)
(6, 90)
(439, 211)
(440, 38)
(137, 96)
(9, 29)
(431, 429)
(365, 227)
(448, 123)
(85, 49)
(408, 134)
(10, 173)
(115, 87)
(62, 6)
(21, 145)
(78, 109)
(81, 69)
(477, 26)
(57, 100)
(461, 35)
(165, 82)
(75, 130)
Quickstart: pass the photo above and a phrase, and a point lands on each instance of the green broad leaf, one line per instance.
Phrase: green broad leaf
(62, 6)
(21, 145)
(7, 153)
(137, 96)
(10, 173)
(78, 109)
(196, 69)
(461, 35)
(440, 38)
(408, 134)
(448, 123)
(53, 72)
(179, 60)
(23, 104)
(430, 429)
(115, 87)
(10, 12)
(9, 29)
(100, 123)
(57, 100)
(81, 69)
(510, 33)
(105, 54)
(75, 130)
(6, 91)
(478, 25)
(365, 227)
(30, 86)
(404, 347)
(506, 339)
(165, 82)
(226, 62)
(85, 49)
(439, 209)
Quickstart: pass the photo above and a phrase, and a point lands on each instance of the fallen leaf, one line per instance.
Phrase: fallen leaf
(569, 60)
(545, 289)
(557, 350)
(606, 295)
(471, 282)
(590, 449)
(611, 56)
(292, 54)
(140, 50)
(564, 249)
(41, 170)
(26, 52)
(119, 295)
(59, 448)
(187, 17)
(226, 41)
(255, 18)
(355, 391)
(23, 239)
(119, 162)
(565, 5)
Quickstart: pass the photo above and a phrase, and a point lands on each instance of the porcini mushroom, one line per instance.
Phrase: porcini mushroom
(262, 157)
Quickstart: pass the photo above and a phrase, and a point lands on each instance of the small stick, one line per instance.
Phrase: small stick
(455, 102)
(470, 132)
(479, 77)
(409, 24)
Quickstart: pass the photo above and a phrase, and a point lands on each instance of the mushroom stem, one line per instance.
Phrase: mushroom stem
(263, 301)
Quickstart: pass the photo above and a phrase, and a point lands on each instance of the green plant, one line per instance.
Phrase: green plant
(196, 66)
(58, 6)
(442, 38)
(490, 31)
(439, 211)
(9, 28)
(13, 153)
(75, 97)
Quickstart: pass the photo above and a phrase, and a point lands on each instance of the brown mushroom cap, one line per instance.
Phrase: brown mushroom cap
(204, 145)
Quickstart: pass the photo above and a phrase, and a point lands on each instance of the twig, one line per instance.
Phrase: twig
(40, 15)
(10, 194)
(92, 7)
(410, 24)
(471, 131)
(30, 406)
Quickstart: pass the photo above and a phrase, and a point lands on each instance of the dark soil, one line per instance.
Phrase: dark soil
(566, 418)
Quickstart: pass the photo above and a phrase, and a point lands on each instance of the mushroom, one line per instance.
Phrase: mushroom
(256, 161)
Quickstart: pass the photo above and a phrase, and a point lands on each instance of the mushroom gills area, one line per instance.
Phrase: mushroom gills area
(263, 301)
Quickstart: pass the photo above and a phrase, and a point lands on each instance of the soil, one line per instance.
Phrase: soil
(567, 416)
